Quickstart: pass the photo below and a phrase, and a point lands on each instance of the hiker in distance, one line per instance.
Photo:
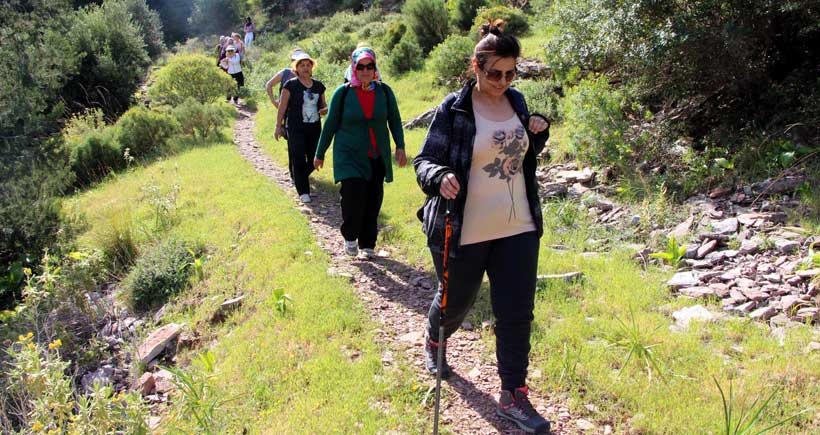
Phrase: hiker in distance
(361, 112)
(232, 64)
(249, 31)
(480, 154)
(302, 103)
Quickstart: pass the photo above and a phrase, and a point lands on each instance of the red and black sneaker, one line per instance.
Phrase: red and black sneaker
(515, 406)
(430, 355)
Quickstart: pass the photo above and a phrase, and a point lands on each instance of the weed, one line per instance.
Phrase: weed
(197, 264)
(39, 397)
(281, 301)
(631, 338)
(742, 421)
(674, 253)
(569, 365)
(200, 400)
(164, 204)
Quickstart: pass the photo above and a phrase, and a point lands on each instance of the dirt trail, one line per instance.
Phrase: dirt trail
(398, 296)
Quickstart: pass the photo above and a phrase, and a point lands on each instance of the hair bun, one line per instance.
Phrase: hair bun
(492, 27)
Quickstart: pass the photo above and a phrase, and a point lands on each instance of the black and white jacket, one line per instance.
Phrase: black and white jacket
(448, 147)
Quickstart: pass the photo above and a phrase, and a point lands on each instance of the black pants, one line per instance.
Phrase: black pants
(361, 203)
(240, 81)
(302, 141)
(511, 265)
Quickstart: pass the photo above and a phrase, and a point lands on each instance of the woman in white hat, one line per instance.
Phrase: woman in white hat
(298, 120)
(232, 65)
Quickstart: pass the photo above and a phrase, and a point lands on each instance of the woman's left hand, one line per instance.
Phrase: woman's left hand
(538, 124)
(401, 157)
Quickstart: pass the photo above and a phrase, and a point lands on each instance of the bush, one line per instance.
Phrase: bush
(515, 22)
(332, 46)
(191, 76)
(158, 274)
(427, 20)
(542, 98)
(201, 120)
(148, 21)
(463, 12)
(395, 32)
(450, 60)
(144, 132)
(113, 59)
(406, 56)
(595, 122)
(94, 155)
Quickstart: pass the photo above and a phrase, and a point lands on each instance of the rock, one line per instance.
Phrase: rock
(103, 376)
(164, 381)
(685, 316)
(146, 384)
(706, 248)
(696, 292)
(683, 279)
(763, 313)
(156, 342)
(565, 277)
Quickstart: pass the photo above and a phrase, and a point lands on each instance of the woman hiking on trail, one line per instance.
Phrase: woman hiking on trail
(302, 102)
(480, 155)
(360, 114)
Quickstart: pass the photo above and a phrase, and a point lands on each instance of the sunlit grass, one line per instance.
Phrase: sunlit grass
(317, 366)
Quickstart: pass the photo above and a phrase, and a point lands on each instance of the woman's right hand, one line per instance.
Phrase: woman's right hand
(449, 186)
(280, 132)
(317, 164)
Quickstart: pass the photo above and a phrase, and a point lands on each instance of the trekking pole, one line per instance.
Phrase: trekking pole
(448, 232)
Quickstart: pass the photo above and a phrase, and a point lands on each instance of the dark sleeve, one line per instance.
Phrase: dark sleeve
(394, 117)
(433, 160)
(539, 140)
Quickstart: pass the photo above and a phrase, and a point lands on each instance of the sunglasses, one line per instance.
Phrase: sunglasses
(495, 75)
(364, 66)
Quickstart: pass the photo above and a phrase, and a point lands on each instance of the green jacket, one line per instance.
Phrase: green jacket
(347, 127)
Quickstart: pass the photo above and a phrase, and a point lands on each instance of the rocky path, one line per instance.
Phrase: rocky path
(397, 297)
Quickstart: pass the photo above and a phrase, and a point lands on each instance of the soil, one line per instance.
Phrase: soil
(397, 296)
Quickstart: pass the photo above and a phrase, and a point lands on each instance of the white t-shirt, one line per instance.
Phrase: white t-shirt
(497, 203)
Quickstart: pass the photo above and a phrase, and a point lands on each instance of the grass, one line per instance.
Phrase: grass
(296, 369)
(292, 368)
(618, 298)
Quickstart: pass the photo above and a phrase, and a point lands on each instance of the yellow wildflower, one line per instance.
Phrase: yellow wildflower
(37, 426)
(55, 344)
(31, 346)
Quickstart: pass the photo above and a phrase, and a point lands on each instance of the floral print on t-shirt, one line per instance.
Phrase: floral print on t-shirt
(511, 149)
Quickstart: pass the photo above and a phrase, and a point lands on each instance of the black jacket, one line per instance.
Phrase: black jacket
(448, 147)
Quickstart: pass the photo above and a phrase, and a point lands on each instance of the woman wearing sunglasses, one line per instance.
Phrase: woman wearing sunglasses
(478, 160)
(360, 114)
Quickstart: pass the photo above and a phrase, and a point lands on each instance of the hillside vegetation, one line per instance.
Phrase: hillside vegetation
(112, 210)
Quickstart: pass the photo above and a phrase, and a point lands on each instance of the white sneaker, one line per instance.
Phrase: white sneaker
(367, 254)
(351, 248)
(305, 198)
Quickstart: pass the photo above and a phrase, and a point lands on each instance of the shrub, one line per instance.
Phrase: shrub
(113, 58)
(406, 56)
(94, 155)
(463, 12)
(427, 20)
(199, 119)
(190, 76)
(159, 274)
(144, 132)
(515, 22)
(450, 60)
(38, 396)
(395, 32)
(332, 46)
(148, 21)
(542, 98)
(595, 122)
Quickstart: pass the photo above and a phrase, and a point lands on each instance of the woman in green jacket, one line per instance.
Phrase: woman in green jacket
(358, 119)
